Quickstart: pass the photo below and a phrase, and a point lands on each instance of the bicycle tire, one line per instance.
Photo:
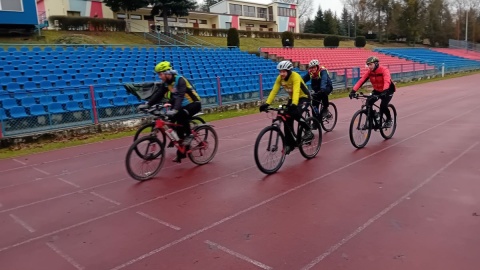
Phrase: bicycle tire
(146, 158)
(329, 124)
(362, 127)
(304, 147)
(383, 131)
(199, 144)
(273, 149)
(196, 121)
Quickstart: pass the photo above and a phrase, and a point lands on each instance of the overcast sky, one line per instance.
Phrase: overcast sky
(334, 5)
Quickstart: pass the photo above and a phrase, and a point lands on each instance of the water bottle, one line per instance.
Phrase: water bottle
(171, 133)
(377, 116)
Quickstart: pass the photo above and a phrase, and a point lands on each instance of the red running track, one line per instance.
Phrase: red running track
(411, 202)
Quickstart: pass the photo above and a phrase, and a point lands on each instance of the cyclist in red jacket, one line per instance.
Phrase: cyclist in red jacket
(383, 87)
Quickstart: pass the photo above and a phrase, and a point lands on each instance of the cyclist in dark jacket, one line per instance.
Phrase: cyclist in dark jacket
(321, 85)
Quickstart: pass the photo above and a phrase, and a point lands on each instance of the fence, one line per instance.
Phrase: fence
(26, 112)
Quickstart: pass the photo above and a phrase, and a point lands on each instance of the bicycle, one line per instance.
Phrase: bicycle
(328, 122)
(150, 126)
(149, 149)
(275, 146)
(366, 119)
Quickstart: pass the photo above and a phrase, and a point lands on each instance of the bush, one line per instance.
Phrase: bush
(360, 42)
(331, 41)
(233, 40)
(287, 35)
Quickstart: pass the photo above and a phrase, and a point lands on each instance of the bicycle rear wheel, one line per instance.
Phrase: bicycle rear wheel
(204, 145)
(145, 130)
(146, 165)
(269, 150)
(196, 121)
(309, 149)
(328, 123)
(360, 129)
(387, 133)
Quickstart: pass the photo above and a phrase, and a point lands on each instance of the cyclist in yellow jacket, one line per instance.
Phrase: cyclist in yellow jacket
(293, 84)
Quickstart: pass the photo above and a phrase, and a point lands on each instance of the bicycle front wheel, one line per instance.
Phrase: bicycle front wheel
(387, 133)
(330, 121)
(204, 145)
(148, 163)
(310, 148)
(146, 129)
(269, 150)
(360, 129)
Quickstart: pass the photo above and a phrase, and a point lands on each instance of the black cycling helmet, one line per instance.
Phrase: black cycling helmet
(373, 59)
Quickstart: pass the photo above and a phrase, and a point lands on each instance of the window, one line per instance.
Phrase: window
(263, 26)
(228, 25)
(250, 25)
(11, 5)
(73, 13)
(203, 21)
(249, 11)
(286, 12)
(121, 16)
(148, 18)
(135, 17)
(182, 20)
(193, 20)
(172, 19)
(261, 12)
(235, 9)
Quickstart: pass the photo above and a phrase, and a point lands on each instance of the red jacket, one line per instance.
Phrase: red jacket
(380, 79)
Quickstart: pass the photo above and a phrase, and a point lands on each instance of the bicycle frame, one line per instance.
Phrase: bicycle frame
(281, 118)
(159, 127)
(369, 108)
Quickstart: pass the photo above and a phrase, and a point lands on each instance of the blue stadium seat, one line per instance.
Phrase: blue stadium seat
(73, 106)
(3, 115)
(119, 101)
(9, 103)
(104, 103)
(63, 98)
(37, 110)
(27, 101)
(18, 112)
(55, 108)
(46, 100)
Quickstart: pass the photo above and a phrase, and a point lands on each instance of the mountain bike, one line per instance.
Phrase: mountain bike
(367, 119)
(328, 122)
(150, 151)
(270, 145)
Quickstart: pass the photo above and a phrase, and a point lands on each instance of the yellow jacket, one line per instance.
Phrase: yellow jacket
(294, 86)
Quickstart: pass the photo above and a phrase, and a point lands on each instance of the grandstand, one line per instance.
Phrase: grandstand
(432, 57)
(67, 86)
(473, 55)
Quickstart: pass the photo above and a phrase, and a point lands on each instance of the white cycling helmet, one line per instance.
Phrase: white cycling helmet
(285, 65)
(314, 63)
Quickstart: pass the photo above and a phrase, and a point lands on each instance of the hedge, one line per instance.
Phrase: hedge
(69, 23)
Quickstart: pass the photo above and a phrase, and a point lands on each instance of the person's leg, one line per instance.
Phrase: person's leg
(386, 98)
(324, 100)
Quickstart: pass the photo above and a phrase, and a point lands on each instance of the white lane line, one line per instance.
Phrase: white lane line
(383, 212)
(22, 223)
(238, 255)
(105, 198)
(280, 195)
(21, 162)
(42, 171)
(61, 196)
(65, 256)
(68, 182)
(159, 221)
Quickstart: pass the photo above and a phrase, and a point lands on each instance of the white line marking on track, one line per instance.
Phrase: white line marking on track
(65, 256)
(42, 171)
(60, 196)
(21, 162)
(238, 255)
(384, 211)
(105, 198)
(159, 221)
(68, 182)
(188, 236)
(22, 223)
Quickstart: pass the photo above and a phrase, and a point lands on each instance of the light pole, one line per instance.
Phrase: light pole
(466, 30)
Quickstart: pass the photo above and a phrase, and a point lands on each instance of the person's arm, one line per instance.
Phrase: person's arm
(361, 81)
(297, 81)
(306, 77)
(274, 91)
(179, 94)
(323, 80)
(386, 78)
(158, 96)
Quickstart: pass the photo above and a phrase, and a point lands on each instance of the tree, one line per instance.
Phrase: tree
(207, 4)
(344, 28)
(319, 22)
(309, 27)
(125, 5)
(412, 19)
(168, 8)
(331, 24)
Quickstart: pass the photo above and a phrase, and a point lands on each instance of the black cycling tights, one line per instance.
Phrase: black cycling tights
(386, 97)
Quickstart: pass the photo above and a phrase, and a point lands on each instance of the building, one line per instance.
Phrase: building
(18, 16)
(243, 15)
